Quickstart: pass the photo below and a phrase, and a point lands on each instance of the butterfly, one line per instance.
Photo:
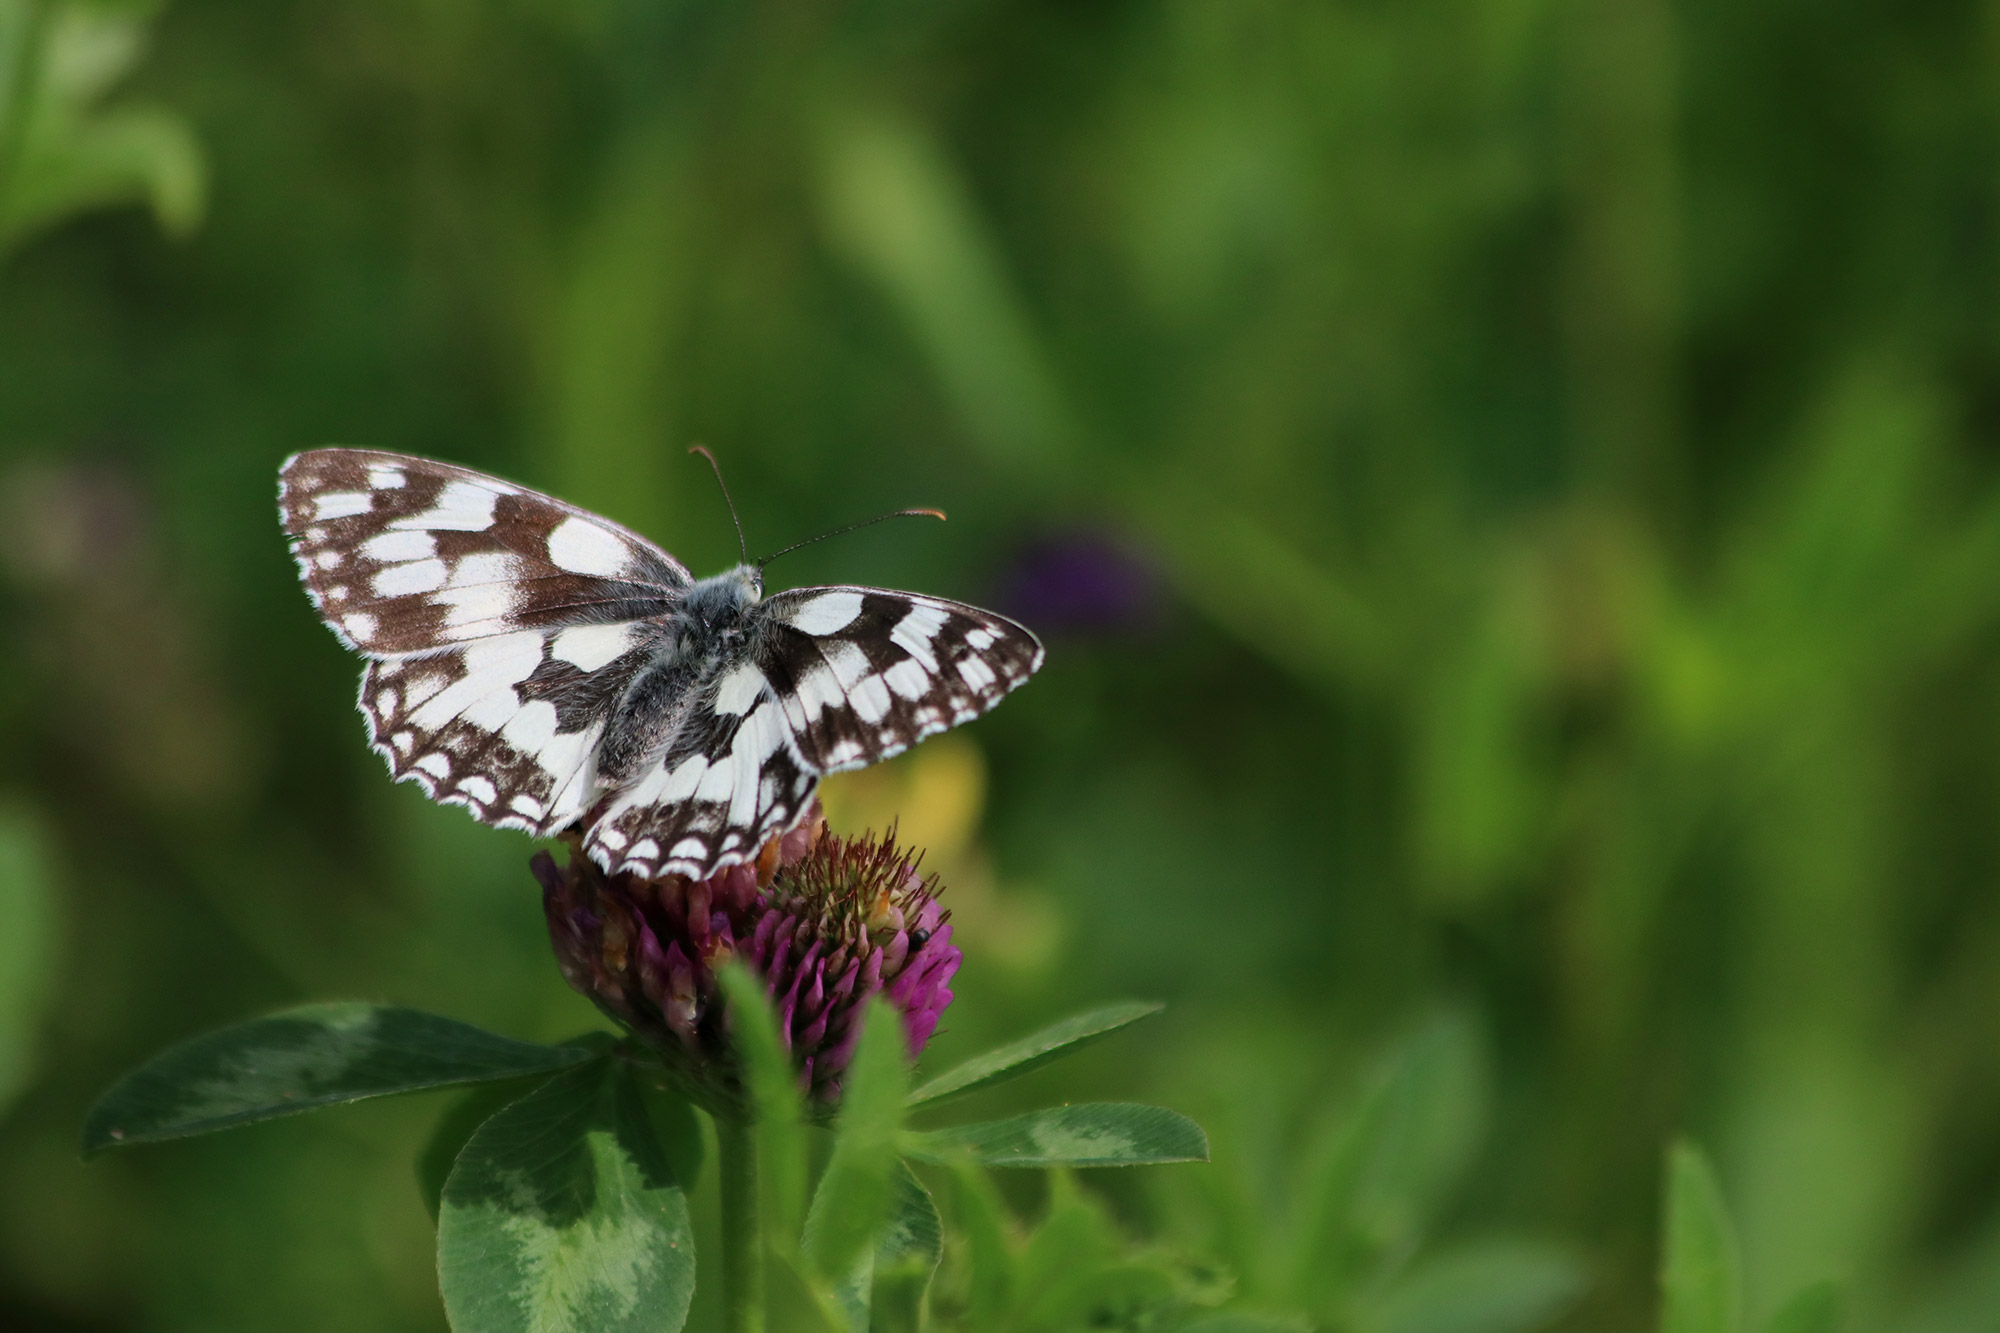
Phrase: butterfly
(546, 668)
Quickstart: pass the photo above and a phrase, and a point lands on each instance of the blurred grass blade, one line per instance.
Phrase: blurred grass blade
(1086, 1134)
(1029, 1053)
(1700, 1285)
(563, 1216)
(907, 1255)
(989, 1258)
(1388, 1163)
(851, 1205)
(1491, 1286)
(773, 1091)
(1817, 1309)
(28, 945)
(318, 1055)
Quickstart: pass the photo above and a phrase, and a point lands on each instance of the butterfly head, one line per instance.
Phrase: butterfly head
(720, 602)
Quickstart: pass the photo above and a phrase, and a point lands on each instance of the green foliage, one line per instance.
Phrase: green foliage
(1030, 1053)
(318, 1055)
(1700, 1287)
(1086, 1134)
(1559, 439)
(61, 154)
(29, 945)
(562, 1214)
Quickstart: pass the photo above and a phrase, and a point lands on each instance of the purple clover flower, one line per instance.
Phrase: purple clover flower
(826, 921)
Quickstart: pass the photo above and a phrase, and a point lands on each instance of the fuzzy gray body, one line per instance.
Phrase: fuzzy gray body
(549, 670)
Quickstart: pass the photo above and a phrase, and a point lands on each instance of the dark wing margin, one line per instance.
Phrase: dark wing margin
(408, 555)
(865, 673)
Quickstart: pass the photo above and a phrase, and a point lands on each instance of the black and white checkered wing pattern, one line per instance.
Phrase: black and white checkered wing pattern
(503, 623)
(731, 780)
(865, 673)
(835, 678)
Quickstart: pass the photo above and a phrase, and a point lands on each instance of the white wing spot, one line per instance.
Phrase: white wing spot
(588, 647)
(870, 698)
(403, 740)
(385, 703)
(342, 504)
(981, 639)
(976, 673)
(581, 547)
(436, 764)
(393, 547)
(479, 789)
(645, 849)
(908, 678)
(611, 838)
(404, 580)
(385, 478)
(360, 624)
(916, 631)
(688, 847)
(739, 690)
(460, 507)
(528, 806)
(827, 613)
(328, 559)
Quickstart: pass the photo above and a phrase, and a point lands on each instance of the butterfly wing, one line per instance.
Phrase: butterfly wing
(503, 623)
(835, 678)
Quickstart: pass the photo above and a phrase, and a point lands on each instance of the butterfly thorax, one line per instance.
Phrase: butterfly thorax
(705, 634)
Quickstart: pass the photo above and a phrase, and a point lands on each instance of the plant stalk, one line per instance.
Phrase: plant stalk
(742, 1238)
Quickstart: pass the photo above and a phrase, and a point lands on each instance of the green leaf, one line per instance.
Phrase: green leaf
(1029, 1053)
(675, 1125)
(1491, 1286)
(1247, 1321)
(563, 1216)
(852, 1203)
(461, 1121)
(1086, 1134)
(906, 1256)
(320, 1055)
(989, 1259)
(1700, 1286)
(773, 1091)
(28, 945)
(1386, 1165)
(1817, 1309)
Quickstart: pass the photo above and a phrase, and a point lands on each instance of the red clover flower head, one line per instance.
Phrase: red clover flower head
(826, 921)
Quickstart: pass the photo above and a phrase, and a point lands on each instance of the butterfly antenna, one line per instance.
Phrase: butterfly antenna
(716, 468)
(937, 514)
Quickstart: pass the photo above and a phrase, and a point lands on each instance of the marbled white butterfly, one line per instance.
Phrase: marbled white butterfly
(545, 667)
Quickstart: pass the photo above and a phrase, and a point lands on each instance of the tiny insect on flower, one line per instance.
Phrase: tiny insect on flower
(827, 921)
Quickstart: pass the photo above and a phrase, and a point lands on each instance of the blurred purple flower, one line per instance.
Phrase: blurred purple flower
(826, 921)
(1083, 582)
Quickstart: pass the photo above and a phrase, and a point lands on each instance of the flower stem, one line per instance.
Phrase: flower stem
(742, 1242)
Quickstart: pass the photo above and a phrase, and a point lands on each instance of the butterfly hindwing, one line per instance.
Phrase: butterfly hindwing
(731, 780)
(504, 623)
(865, 673)
(408, 555)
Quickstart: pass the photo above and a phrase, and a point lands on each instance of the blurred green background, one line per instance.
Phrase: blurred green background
(1512, 491)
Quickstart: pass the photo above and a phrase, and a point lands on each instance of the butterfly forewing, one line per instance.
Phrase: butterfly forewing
(406, 555)
(865, 673)
(505, 623)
